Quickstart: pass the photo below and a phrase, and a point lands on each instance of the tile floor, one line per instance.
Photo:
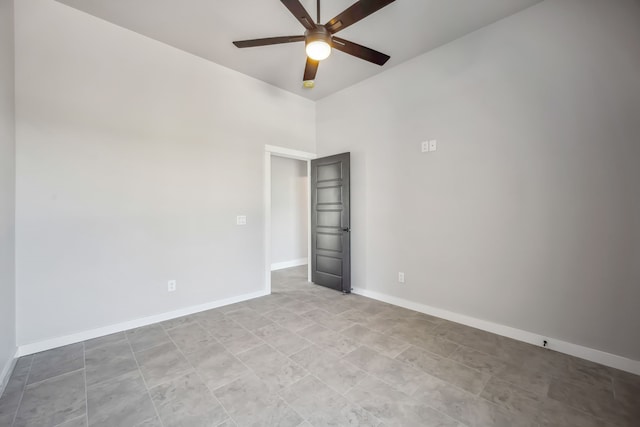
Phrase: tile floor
(309, 356)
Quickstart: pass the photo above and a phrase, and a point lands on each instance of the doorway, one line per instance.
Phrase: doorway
(289, 213)
(291, 169)
(327, 223)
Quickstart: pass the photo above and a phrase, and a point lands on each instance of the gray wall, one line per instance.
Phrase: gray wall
(527, 215)
(289, 210)
(7, 186)
(133, 160)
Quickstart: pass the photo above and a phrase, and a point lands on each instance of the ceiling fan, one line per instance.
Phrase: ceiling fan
(319, 39)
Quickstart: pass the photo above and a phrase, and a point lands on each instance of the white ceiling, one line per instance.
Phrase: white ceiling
(404, 29)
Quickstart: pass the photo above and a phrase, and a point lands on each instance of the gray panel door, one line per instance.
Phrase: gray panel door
(330, 223)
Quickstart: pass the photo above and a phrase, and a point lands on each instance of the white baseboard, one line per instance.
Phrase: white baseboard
(7, 369)
(576, 350)
(287, 264)
(48, 344)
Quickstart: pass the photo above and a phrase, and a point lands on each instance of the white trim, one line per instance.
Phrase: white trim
(48, 344)
(287, 264)
(7, 370)
(267, 221)
(587, 353)
(291, 154)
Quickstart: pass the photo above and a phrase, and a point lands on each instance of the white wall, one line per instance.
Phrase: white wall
(527, 215)
(133, 160)
(289, 211)
(7, 193)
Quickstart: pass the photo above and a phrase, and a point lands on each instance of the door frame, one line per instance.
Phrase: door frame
(269, 151)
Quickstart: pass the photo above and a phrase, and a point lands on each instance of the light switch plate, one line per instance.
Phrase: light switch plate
(433, 145)
(241, 220)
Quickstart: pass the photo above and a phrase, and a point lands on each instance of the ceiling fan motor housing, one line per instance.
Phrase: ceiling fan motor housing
(320, 33)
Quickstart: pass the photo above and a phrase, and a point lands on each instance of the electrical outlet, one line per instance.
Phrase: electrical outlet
(171, 286)
(401, 277)
(241, 220)
(433, 145)
(425, 146)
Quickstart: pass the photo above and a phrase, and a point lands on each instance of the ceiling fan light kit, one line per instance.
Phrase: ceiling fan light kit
(319, 39)
(318, 43)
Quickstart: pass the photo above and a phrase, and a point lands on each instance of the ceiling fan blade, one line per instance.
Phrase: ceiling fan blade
(310, 69)
(268, 41)
(357, 11)
(359, 51)
(296, 8)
